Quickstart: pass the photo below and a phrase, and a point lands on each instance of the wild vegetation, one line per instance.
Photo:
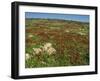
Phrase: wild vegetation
(53, 42)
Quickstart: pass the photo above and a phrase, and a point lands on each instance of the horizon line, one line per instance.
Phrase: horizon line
(59, 19)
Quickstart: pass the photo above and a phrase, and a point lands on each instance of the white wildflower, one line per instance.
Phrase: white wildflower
(43, 62)
(27, 56)
(46, 46)
(81, 33)
(30, 36)
(37, 51)
(51, 50)
(67, 31)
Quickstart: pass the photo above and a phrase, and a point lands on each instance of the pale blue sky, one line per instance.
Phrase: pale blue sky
(81, 18)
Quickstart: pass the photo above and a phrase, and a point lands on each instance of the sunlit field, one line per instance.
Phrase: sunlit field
(54, 43)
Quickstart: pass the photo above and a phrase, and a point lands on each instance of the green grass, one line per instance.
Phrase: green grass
(70, 39)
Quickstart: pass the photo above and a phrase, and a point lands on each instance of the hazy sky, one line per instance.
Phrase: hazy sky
(82, 18)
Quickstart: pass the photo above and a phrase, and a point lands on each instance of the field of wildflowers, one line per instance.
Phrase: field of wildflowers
(54, 43)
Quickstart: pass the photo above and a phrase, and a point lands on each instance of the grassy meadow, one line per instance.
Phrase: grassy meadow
(54, 43)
